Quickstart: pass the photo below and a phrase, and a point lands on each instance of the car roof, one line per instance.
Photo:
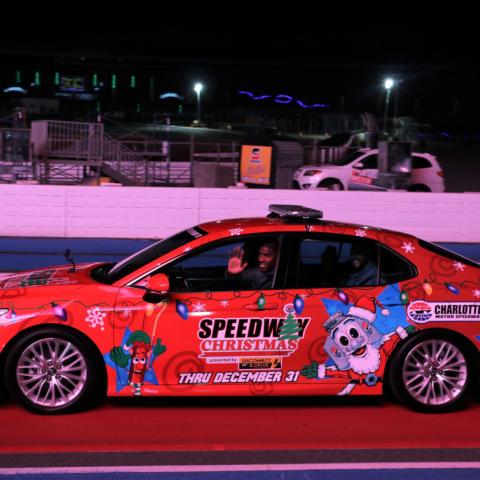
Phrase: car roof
(274, 225)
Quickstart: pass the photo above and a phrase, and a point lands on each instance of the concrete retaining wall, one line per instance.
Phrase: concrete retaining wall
(154, 212)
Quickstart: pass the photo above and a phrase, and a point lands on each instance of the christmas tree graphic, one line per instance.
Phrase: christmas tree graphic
(289, 329)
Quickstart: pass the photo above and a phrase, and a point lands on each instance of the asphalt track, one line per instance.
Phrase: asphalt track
(257, 438)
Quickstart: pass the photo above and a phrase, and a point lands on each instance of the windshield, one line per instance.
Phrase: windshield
(349, 158)
(150, 253)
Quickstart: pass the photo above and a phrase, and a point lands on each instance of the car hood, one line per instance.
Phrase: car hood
(48, 277)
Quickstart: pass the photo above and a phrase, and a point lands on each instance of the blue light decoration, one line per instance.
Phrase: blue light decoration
(182, 309)
(452, 288)
(261, 301)
(15, 89)
(342, 296)
(283, 99)
(298, 304)
(59, 312)
(166, 95)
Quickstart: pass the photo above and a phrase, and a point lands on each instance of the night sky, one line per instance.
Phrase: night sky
(371, 33)
(310, 50)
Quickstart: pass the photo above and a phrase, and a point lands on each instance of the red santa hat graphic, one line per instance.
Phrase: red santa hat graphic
(365, 308)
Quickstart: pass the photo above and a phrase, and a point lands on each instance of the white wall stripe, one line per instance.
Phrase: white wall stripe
(243, 468)
(155, 212)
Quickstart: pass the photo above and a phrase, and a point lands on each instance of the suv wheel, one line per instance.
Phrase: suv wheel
(330, 184)
(418, 188)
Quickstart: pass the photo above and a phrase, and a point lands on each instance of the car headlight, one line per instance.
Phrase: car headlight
(310, 173)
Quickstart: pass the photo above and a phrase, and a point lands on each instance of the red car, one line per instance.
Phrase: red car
(290, 304)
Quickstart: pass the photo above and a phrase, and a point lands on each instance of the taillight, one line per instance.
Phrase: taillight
(440, 173)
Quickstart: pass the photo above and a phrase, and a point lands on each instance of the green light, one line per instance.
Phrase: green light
(57, 78)
(18, 76)
(37, 78)
(138, 108)
(95, 80)
(261, 302)
(114, 81)
(133, 81)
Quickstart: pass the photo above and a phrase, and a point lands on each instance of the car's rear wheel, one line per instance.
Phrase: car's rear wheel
(53, 370)
(331, 184)
(431, 372)
(418, 188)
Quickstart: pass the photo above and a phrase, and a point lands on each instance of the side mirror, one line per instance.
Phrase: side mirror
(359, 166)
(158, 283)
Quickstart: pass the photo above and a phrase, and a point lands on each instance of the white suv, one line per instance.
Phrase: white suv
(359, 170)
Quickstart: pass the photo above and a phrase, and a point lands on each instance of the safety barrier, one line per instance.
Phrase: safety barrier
(156, 212)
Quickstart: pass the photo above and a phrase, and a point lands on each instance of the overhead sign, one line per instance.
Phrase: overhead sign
(72, 84)
(256, 164)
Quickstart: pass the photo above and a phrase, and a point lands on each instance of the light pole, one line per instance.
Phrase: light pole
(198, 90)
(388, 84)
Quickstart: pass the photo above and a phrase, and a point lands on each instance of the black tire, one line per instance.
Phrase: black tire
(419, 188)
(431, 372)
(330, 184)
(35, 379)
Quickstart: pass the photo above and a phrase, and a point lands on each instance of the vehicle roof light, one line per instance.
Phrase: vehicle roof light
(294, 211)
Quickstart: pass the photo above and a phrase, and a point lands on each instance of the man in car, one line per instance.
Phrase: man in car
(257, 277)
(360, 269)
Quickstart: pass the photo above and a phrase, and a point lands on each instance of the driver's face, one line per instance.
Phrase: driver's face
(266, 258)
(358, 261)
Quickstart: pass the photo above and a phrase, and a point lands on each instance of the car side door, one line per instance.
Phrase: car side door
(321, 274)
(208, 333)
(364, 171)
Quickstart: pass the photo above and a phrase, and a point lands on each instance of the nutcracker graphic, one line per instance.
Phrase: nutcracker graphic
(139, 352)
(357, 349)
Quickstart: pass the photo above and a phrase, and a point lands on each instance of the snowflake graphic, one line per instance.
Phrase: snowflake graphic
(198, 307)
(459, 266)
(408, 247)
(359, 232)
(235, 231)
(224, 303)
(126, 314)
(476, 293)
(95, 317)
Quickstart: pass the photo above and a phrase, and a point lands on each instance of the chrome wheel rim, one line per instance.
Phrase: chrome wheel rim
(51, 372)
(435, 372)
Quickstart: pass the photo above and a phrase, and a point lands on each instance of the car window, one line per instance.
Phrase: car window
(335, 261)
(420, 162)
(370, 162)
(393, 267)
(207, 269)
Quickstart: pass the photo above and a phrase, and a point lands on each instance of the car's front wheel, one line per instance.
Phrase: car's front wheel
(53, 370)
(431, 372)
(330, 184)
